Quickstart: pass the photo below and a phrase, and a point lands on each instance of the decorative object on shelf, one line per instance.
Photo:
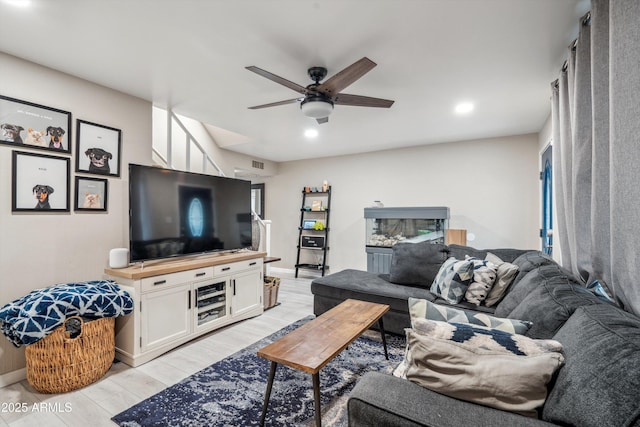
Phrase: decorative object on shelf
(377, 204)
(313, 236)
(40, 183)
(313, 242)
(91, 194)
(307, 189)
(98, 149)
(325, 186)
(29, 125)
(118, 258)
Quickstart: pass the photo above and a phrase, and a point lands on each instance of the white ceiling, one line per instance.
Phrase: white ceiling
(190, 56)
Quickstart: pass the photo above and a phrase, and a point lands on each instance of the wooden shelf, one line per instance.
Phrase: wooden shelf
(158, 267)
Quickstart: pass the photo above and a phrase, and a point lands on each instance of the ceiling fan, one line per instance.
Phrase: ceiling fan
(319, 98)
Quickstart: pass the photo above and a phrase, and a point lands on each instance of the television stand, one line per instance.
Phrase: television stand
(176, 300)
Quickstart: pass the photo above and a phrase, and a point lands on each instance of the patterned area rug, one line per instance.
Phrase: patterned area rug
(231, 391)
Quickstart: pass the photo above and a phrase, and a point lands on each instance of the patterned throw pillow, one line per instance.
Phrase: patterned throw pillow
(423, 309)
(506, 272)
(484, 276)
(482, 365)
(452, 280)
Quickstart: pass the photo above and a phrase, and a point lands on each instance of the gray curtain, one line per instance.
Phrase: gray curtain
(596, 134)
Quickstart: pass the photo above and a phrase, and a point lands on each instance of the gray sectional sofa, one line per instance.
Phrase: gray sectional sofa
(598, 385)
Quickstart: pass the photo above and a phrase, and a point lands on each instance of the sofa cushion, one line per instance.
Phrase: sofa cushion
(529, 261)
(482, 365)
(416, 263)
(549, 306)
(423, 309)
(534, 278)
(452, 280)
(367, 286)
(460, 251)
(600, 383)
(406, 404)
(505, 274)
(484, 277)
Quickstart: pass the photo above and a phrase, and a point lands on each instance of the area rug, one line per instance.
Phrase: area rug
(231, 391)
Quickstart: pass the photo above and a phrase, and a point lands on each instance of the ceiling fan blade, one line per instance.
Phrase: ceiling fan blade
(275, 104)
(278, 79)
(361, 101)
(345, 77)
(322, 120)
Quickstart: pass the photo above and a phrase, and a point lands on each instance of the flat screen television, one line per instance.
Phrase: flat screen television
(174, 213)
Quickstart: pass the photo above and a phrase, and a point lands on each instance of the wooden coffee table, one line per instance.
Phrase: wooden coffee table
(317, 342)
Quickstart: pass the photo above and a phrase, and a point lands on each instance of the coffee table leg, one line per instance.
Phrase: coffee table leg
(267, 394)
(316, 397)
(384, 338)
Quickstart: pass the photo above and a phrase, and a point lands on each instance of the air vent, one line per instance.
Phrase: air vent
(257, 165)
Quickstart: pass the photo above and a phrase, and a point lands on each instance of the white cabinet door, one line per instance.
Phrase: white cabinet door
(165, 316)
(247, 290)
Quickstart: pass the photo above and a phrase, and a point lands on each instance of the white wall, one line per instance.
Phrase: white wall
(226, 160)
(490, 186)
(39, 250)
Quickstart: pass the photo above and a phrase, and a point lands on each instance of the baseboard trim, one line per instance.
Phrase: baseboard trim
(13, 377)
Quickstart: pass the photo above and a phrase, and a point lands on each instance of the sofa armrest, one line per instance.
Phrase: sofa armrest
(383, 400)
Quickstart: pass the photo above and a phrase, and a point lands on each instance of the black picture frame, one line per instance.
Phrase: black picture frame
(24, 124)
(39, 183)
(98, 149)
(91, 194)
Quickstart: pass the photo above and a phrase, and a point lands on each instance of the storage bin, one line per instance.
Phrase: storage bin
(271, 286)
(58, 363)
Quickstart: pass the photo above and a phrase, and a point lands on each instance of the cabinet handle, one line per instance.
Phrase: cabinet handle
(159, 282)
(226, 268)
(189, 301)
(234, 287)
(253, 263)
(200, 274)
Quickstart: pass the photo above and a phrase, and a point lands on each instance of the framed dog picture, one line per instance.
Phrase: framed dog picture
(98, 149)
(40, 183)
(91, 194)
(27, 125)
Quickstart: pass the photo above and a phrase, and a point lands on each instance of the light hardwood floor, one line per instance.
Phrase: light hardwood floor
(123, 386)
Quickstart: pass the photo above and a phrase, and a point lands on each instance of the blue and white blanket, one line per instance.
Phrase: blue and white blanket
(35, 315)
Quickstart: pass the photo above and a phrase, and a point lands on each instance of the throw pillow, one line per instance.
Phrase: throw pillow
(423, 309)
(505, 273)
(452, 280)
(482, 365)
(416, 264)
(484, 276)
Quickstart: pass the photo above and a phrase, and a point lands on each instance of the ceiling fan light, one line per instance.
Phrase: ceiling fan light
(316, 108)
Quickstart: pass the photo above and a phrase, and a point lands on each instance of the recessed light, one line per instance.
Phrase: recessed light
(311, 133)
(464, 108)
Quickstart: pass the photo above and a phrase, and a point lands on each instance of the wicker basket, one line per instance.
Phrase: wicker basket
(271, 286)
(58, 363)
